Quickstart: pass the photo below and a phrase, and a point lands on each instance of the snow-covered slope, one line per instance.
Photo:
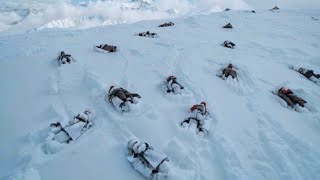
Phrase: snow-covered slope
(252, 136)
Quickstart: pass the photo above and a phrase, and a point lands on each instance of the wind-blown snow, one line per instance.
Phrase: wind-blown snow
(252, 135)
(85, 14)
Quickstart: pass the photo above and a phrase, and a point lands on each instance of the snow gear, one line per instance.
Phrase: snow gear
(173, 85)
(229, 71)
(107, 47)
(228, 44)
(148, 34)
(121, 98)
(227, 9)
(228, 26)
(166, 24)
(64, 58)
(149, 162)
(198, 114)
(274, 8)
(290, 98)
(64, 132)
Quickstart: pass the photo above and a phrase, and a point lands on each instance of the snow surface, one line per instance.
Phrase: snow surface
(252, 135)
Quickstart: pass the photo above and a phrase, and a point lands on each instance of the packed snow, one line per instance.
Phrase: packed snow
(251, 136)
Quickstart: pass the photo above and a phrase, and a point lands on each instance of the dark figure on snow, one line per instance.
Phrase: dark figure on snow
(229, 71)
(228, 44)
(65, 132)
(173, 85)
(228, 26)
(166, 24)
(121, 98)
(227, 9)
(147, 34)
(274, 8)
(107, 47)
(308, 73)
(198, 114)
(64, 58)
(149, 162)
(290, 98)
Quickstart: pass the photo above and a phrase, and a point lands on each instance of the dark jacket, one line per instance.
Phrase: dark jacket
(123, 94)
(229, 71)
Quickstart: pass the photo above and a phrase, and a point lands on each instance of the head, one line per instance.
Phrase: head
(203, 103)
(131, 143)
(230, 66)
(282, 89)
(171, 77)
(62, 53)
(111, 88)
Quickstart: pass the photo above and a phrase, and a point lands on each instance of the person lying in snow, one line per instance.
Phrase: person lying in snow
(309, 74)
(64, 58)
(148, 34)
(122, 99)
(229, 71)
(228, 26)
(228, 44)
(107, 47)
(166, 24)
(198, 114)
(290, 98)
(149, 162)
(73, 129)
(274, 8)
(173, 85)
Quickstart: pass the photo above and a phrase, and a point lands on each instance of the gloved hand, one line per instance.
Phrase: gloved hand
(154, 171)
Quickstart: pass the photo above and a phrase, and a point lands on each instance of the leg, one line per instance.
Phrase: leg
(185, 121)
(62, 137)
(288, 100)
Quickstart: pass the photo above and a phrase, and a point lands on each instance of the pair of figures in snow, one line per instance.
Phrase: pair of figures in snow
(122, 99)
(152, 34)
(155, 165)
(289, 97)
(64, 58)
